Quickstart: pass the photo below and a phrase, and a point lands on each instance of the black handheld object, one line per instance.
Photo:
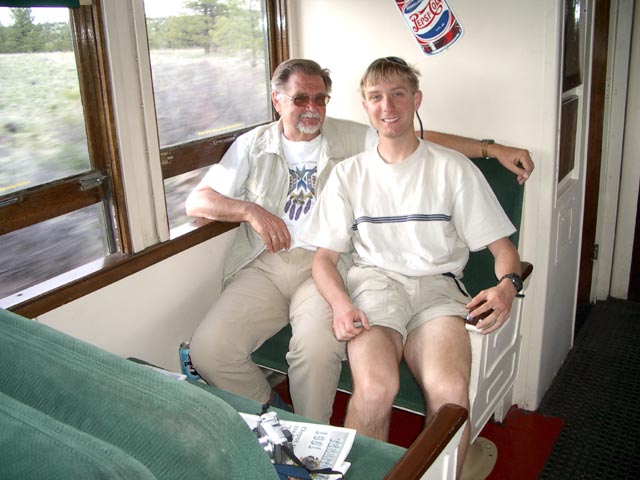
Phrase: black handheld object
(474, 319)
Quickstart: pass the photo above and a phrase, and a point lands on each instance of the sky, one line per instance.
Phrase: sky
(153, 9)
(40, 15)
(162, 8)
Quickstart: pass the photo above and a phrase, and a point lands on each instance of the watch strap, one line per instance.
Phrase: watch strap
(515, 280)
(485, 145)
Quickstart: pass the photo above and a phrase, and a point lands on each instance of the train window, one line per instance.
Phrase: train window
(63, 214)
(73, 241)
(210, 69)
(42, 126)
(57, 207)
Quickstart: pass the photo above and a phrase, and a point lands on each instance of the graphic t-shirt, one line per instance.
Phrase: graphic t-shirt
(302, 158)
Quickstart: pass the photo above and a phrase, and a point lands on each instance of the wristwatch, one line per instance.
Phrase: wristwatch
(515, 280)
(485, 145)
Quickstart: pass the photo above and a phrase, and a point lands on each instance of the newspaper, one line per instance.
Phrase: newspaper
(324, 446)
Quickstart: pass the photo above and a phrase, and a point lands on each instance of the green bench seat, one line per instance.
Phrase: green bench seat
(478, 275)
(69, 410)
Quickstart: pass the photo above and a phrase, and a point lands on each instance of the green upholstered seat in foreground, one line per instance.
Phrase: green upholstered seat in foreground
(478, 274)
(71, 410)
(35, 445)
(173, 429)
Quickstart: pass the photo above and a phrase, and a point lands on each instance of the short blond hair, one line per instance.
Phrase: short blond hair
(383, 69)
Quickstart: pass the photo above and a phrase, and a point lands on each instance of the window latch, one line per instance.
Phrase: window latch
(5, 202)
(92, 180)
(221, 141)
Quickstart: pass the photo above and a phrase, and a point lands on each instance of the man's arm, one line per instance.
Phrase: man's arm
(517, 160)
(500, 297)
(205, 202)
(348, 321)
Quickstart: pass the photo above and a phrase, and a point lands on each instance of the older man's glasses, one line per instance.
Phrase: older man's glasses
(303, 100)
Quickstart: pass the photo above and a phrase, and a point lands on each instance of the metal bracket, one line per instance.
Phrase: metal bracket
(5, 202)
(92, 180)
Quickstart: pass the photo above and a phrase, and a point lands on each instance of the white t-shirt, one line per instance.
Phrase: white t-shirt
(417, 217)
(302, 158)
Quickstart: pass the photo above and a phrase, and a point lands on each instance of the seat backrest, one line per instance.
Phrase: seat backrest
(479, 272)
(174, 429)
(478, 275)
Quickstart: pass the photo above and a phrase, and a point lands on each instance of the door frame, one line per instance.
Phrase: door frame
(621, 25)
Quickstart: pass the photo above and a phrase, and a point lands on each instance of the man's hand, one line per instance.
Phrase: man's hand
(271, 228)
(499, 299)
(517, 160)
(205, 202)
(349, 323)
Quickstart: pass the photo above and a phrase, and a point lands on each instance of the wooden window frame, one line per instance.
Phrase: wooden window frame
(101, 134)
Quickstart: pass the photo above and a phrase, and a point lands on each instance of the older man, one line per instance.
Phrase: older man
(268, 181)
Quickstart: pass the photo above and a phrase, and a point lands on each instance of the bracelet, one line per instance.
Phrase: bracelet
(485, 145)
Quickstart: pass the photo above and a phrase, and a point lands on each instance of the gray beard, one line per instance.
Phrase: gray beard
(306, 129)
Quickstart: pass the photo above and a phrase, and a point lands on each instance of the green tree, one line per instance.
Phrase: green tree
(156, 33)
(208, 12)
(240, 29)
(208, 8)
(24, 36)
(56, 37)
(25, 32)
(188, 31)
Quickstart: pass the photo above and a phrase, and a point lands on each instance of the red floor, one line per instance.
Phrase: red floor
(524, 440)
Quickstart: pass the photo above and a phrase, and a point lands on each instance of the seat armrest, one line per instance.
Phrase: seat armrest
(431, 442)
(526, 268)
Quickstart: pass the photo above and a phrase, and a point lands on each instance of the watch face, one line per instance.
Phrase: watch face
(515, 279)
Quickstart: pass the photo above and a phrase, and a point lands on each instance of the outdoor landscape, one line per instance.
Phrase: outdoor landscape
(209, 77)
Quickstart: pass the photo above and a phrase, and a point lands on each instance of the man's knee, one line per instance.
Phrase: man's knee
(213, 352)
(452, 389)
(206, 359)
(318, 348)
(376, 391)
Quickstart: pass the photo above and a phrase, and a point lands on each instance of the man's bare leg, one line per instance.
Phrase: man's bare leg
(439, 356)
(374, 357)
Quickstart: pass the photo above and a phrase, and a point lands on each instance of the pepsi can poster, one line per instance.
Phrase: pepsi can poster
(432, 22)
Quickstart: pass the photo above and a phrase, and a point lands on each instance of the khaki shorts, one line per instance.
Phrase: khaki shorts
(404, 303)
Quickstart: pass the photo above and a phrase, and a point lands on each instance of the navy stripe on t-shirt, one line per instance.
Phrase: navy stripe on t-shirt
(416, 217)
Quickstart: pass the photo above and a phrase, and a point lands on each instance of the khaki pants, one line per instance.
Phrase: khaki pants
(273, 290)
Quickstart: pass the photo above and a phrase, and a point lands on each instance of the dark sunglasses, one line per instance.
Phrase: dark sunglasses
(303, 100)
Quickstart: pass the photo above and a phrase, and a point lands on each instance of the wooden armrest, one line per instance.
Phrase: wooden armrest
(430, 443)
(526, 268)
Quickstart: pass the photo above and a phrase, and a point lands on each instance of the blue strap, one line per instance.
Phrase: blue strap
(287, 471)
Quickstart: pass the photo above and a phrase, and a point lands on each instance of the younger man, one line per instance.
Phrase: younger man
(411, 211)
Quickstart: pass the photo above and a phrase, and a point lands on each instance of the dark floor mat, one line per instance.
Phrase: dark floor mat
(596, 393)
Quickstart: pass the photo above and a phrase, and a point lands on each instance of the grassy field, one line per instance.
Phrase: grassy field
(42, 135)
(42, 138)
(201, 95)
